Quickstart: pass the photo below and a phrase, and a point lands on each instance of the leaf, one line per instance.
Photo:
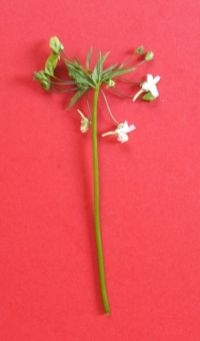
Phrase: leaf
(99, 66)
(105, 57)
(109, 69)
(140, 50)
(108, 72)
(120, 72)
(149, 56)
(76, 97)
(98, 70)
(88, 58)
(80, 76)
(51, 64)
(121, 66)
(55, 45)
(148, 97)
(95, 75)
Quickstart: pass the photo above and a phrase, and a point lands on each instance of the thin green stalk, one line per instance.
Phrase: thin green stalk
(98, 237)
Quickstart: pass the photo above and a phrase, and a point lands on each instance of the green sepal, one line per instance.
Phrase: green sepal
(55, 45)
(51, 64)
(148, 97)
(149, 56)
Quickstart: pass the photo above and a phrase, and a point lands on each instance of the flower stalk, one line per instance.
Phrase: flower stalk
(100, 256)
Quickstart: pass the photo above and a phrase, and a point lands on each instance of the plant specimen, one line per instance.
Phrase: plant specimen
(84, 78)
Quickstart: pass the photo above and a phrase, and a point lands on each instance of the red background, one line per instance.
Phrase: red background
(149, 187)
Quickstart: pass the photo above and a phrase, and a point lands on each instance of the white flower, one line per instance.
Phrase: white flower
(121, 132)
(149, 86)
(85, 122)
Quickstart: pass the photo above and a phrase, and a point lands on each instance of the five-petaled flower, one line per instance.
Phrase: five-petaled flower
(149, 86)
(85, 122)
(121, 132)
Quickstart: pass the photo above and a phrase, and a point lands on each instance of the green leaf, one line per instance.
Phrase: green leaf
(88, 58)
(140, 50)
(80, 75)
(95, 75)
(148, 97)
(105, 56)
(100, 66)
(120, 72)
(76, 97)
(149, 56)
(109, 69)
(56, 45)
(51, 64)
(43, 79)
(98, 70)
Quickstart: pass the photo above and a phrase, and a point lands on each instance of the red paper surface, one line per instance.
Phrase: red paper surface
(150, 186)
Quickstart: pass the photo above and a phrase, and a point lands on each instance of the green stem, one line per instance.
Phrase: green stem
(98, 237)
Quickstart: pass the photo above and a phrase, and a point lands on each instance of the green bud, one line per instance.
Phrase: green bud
(56, 45)
(43, 79)
(46, 84)
(39, 75)
(140, 50)
(51, 64)
(111, 83)
(149, 56)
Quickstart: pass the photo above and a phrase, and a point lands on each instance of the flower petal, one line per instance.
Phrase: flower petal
(156, 79)
(154, 91)
(132, 127)
(146, 86)
(150, 78)
(122, 137)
